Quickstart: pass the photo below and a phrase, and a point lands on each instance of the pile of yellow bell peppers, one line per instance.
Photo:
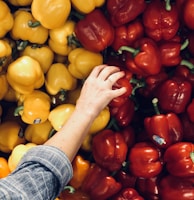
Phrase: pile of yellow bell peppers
(42, 69)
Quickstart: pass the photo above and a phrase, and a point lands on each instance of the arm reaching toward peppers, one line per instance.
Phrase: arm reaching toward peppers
(96, 93)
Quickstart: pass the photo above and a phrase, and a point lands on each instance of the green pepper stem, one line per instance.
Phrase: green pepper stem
(129, 49)
(155, 105)
(192, 156)
(17, 110)
(21, 45)
(113, 124)
(188, 64)
(185, 44)
(32, 24)
(138, 84)
(70, 188)
(168, 5)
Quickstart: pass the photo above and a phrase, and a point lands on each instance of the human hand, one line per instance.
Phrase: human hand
(97, 90)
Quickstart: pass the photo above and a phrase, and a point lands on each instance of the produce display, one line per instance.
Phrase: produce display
(141, 146)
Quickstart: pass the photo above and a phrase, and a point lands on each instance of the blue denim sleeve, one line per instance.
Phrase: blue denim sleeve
(41, 175)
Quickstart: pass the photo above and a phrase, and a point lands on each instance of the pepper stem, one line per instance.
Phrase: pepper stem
(129, 49)
(185, 44)
(192, 156)
(155, 105)
(32, 24)
(70, 188)
(138, 84)
(113, 124)
(168, 5)
(17, 110)
(187, 64)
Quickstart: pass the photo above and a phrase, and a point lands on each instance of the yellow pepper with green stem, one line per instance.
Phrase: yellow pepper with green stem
(82, 61)
(25, 74)
(6, 19)
(88, 5)
(52, 13)
(62, 39)
(35, 107)
(11, 134)
(26, 28)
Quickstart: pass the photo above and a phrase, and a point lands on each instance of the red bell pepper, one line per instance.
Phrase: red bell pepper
(127, 34)
(148, 187)
(179, 159)
(98, 184)
(128, 194)
(123, 113)
(174, 94)
(109, 149)
(170, 52)
(163, 129)
(124, 11)
(176, 188)
(145, 160)
(161, 20)
(190, 110)
(94, 31)
(188, 14)
(128, 134)
(144, 58)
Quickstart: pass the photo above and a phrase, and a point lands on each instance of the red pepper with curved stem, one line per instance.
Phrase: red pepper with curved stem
(179, 159)
(161, 20)
(144, 58)
(174, 94)
(145, 160)
(188, 15)
(176, 188)
(94, 31)
(148, 187)
(128, 194)
(127, 34)
(109, 149)
(170, 52)
(163, 129)
(98, 184)
(124, 11)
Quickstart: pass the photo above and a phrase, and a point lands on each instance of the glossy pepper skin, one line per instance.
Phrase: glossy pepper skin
(4, 168)
(174, 94)
(82, 61)
(127, 34)
(20, 2)
(6, 19)
(35, 107)
(25, 74)
(94, 31)
(128, 194)
(98, 184)
(173, 188)
(61, 40)
(124, 11)
(23, 30)
(51, 14)
(81, 167)
(145, 160)
(109, 149)
(160, 23)
(163, 129)
(88, 6)
(144, 57)
(179, 159)
(188, 15)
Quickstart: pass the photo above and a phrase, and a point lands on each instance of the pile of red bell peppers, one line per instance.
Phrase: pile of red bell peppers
(147, 150)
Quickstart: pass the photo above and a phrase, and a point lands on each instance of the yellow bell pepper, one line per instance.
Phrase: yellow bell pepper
(59, 78)
(87, 143)
(82, 62)
(38, 133)
(60, 114)
(25, 74)
(62, 40)
(17, 154)
(6, 19)
(11, 95)
(5, 48)
(42, 53)
(3, 86)
(80, 170)
(35, 108)
(26, 28)
(20, 2)
(10, 136)
(51, 14)
(88, 5)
